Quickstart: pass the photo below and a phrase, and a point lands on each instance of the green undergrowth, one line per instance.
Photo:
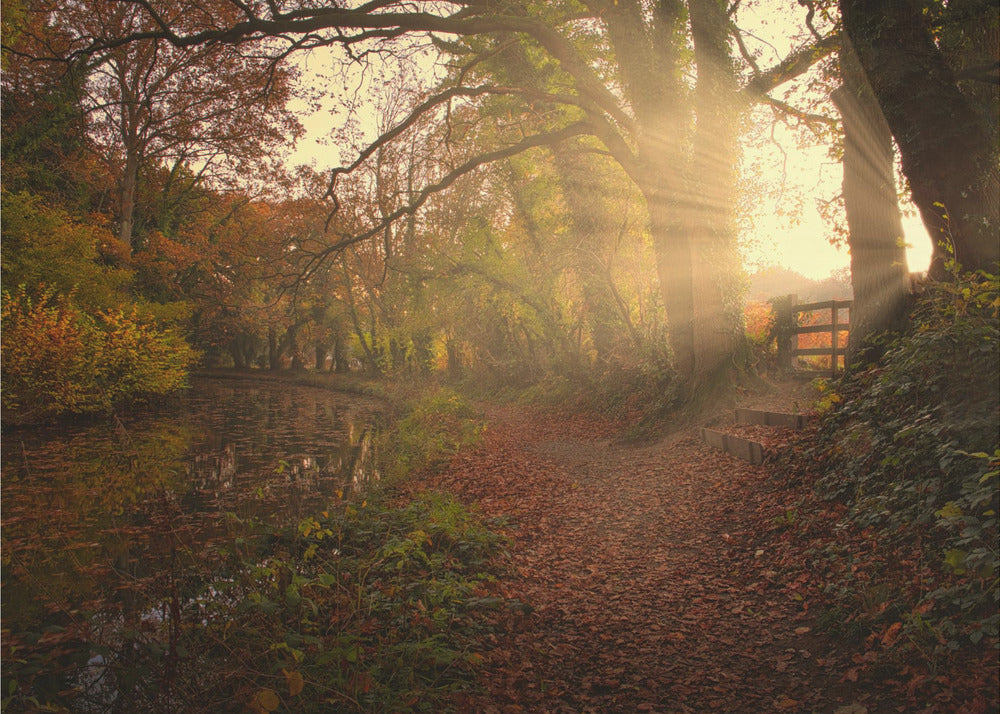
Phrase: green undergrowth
(366, 607)
(641, 398)
(430, 429)
(910, 446)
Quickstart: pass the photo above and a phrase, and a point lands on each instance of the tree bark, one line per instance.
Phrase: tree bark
(341, 361)
(947, 147)
(454, 358)
(319, 356)
(689, 188)
(674, 260)
(715, 259)
(130, 180)
(879, 275)
(273, 358)
(593, 241)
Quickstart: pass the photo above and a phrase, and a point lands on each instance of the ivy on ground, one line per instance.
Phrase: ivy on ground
(910, 447)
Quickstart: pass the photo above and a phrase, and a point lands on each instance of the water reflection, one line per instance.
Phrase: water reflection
(93, 516)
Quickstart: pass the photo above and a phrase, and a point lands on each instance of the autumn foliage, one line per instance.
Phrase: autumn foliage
(58, 359)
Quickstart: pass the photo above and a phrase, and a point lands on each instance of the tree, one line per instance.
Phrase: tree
(45, 248)
(635, 102)
(45, 149)
(216, 109)
(879, 275)
(946, 130)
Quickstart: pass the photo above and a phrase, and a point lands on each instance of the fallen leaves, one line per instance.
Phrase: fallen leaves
(635, 560)
(664, 577)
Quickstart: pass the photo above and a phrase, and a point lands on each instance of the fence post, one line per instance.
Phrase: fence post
(784, 328)
(847, 351)
(833, 329)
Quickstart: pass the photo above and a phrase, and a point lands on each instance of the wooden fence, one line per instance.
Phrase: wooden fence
(787, 312)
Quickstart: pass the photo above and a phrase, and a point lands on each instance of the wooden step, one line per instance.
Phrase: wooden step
(752, 451)
(757, 416)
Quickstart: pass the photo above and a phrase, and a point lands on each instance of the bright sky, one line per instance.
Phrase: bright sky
(788, 230)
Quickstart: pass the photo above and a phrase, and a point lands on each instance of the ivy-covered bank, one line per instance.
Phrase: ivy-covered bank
(909, 446)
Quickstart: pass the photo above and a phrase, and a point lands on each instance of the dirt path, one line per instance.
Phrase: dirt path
(650, 584)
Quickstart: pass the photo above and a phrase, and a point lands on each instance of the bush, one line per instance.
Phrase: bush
(59, 360)
(43, 244)
(365, 607)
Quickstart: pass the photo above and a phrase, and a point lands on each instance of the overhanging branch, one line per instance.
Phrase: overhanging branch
(447, 95)
(807, 118)
(384, 24)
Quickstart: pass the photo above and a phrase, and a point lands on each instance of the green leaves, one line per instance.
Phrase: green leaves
(382, 613)
(908, 450)
(435, 427)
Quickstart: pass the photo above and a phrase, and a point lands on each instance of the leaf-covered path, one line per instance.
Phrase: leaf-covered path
(649, 580)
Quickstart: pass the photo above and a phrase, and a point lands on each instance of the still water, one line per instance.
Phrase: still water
(93, 515)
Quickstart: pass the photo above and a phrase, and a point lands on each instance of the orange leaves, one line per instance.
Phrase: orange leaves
(758, 319)
(638, 601)
(891, 634)
(58, 359)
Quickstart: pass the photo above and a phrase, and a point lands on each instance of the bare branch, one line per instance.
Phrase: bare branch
(745, 51)
(810, 15)
(384, 25)
(446, 96)
(807, 118)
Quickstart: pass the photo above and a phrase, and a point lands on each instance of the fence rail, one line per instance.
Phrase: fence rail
(788, 310)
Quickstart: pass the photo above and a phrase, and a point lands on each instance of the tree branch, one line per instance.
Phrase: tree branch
(547, 139)
(807, 118)
(792, 66)
(387, 24)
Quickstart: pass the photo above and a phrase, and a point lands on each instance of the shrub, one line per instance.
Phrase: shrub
(758, 326)
(59, 360)
(434, 428)
(365, 607)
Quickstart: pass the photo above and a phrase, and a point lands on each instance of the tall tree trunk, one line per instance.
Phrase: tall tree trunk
(130, 180)
(319, 356)
(650, 57)
(674, 261)
(593, 233)
(273, 357)
(239, 362)
(948, 149)
(341, 361)
(454, 358)
(715, 263)
(879, 274)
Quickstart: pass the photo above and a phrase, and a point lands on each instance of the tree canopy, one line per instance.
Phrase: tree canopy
(561, 192)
